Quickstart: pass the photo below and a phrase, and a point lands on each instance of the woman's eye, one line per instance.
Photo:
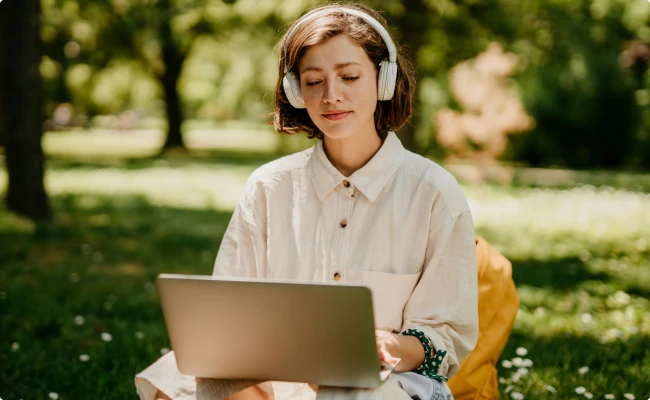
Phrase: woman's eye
(351, 78)
(312, 83)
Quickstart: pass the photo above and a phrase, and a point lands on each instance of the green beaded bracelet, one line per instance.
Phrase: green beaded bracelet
(429, 367)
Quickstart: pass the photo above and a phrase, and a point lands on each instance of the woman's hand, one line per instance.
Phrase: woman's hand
(388, 347)
(408, 350)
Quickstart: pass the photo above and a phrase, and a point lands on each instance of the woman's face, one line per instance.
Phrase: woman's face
(339, 85)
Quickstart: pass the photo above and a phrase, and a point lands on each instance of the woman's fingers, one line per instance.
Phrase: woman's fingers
(386, 357)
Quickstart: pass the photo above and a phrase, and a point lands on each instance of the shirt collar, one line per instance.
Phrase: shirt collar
(369, 179)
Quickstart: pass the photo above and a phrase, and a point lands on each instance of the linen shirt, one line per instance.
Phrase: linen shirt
(399, 225)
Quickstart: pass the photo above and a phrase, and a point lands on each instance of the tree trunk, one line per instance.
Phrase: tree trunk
(173, 60)
(22, 100)
(412, 26)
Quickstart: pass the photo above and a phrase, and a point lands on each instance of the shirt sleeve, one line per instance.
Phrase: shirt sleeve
(444, 303)
(242, 252)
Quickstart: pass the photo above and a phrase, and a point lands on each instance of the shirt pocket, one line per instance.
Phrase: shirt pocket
(390, 292)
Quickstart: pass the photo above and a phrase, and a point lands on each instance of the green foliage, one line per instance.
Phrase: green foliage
(228, 44)
(104, 57)
(583, 99)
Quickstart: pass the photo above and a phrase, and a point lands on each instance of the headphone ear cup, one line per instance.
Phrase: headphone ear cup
(291, 87)
(387, 80)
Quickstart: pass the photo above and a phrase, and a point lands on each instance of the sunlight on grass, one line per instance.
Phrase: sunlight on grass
(540, 223)
(147, 143)
(195, 187)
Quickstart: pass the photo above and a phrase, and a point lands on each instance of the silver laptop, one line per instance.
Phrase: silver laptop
(272, 331)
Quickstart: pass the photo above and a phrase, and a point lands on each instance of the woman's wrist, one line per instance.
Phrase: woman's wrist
(432, 358)
(411, 353)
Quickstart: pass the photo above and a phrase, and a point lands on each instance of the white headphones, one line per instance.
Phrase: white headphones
(387, 68)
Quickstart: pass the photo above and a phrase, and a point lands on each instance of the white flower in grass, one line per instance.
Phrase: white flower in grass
(589, 395)
(53, 395)
(506, 364)
(515, 378)
(107, 337)
(521, 351)
(502, 380)
(518, 362)
(522, 371)
(583, 370)
(528, 363)
(79, 320)
(508, 388)
(15, 346)
(517, 396)
(629, 396)
(550, 388)
(84, 357)
(164, 351)
(139, 335)
(581, 390)
(610, 396)
(586, 318)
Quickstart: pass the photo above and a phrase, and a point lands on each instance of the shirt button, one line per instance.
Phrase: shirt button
(346, 183)
(344, 223)
(337, 276)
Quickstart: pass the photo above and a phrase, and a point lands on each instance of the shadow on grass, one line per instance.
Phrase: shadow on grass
(97, 260)
(116, 229)
(172, 160)
(562, 274)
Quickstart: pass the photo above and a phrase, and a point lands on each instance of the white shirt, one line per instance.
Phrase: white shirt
(400, 225)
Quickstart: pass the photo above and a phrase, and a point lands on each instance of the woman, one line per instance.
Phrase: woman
(356, 208)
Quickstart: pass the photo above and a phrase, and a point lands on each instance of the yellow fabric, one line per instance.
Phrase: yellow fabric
(498, 303)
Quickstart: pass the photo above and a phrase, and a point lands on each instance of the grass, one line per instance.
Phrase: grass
(580, 247)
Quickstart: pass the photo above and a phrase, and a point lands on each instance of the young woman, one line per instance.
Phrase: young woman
(357, 208)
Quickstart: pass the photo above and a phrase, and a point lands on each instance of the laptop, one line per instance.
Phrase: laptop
(230, 328)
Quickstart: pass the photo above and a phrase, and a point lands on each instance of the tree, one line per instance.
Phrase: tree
(124, 30)
(21, 100)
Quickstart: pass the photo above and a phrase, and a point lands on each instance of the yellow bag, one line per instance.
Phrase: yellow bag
(498, 303)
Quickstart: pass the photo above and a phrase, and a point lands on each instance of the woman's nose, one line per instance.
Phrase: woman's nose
(332, 92)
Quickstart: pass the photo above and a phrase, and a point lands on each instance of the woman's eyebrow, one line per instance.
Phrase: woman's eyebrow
(337, 67)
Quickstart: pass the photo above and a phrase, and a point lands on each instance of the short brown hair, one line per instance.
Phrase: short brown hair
(389, 115)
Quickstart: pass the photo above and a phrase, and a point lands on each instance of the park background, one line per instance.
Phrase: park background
(128, 129)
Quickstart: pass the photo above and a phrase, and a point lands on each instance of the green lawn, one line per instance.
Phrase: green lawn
(579, 242)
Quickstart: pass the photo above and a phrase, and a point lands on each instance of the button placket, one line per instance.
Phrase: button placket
(340, 242)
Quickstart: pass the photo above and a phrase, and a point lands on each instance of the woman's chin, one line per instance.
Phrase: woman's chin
(337, 132)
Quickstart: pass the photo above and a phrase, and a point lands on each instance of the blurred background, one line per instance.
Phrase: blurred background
(128, 129)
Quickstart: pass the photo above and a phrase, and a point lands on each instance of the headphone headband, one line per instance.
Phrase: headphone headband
(392, 53)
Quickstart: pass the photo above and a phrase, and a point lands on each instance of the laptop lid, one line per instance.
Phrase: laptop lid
(269, 330)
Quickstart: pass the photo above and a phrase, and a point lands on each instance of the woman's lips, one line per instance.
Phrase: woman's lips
(336, 116)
